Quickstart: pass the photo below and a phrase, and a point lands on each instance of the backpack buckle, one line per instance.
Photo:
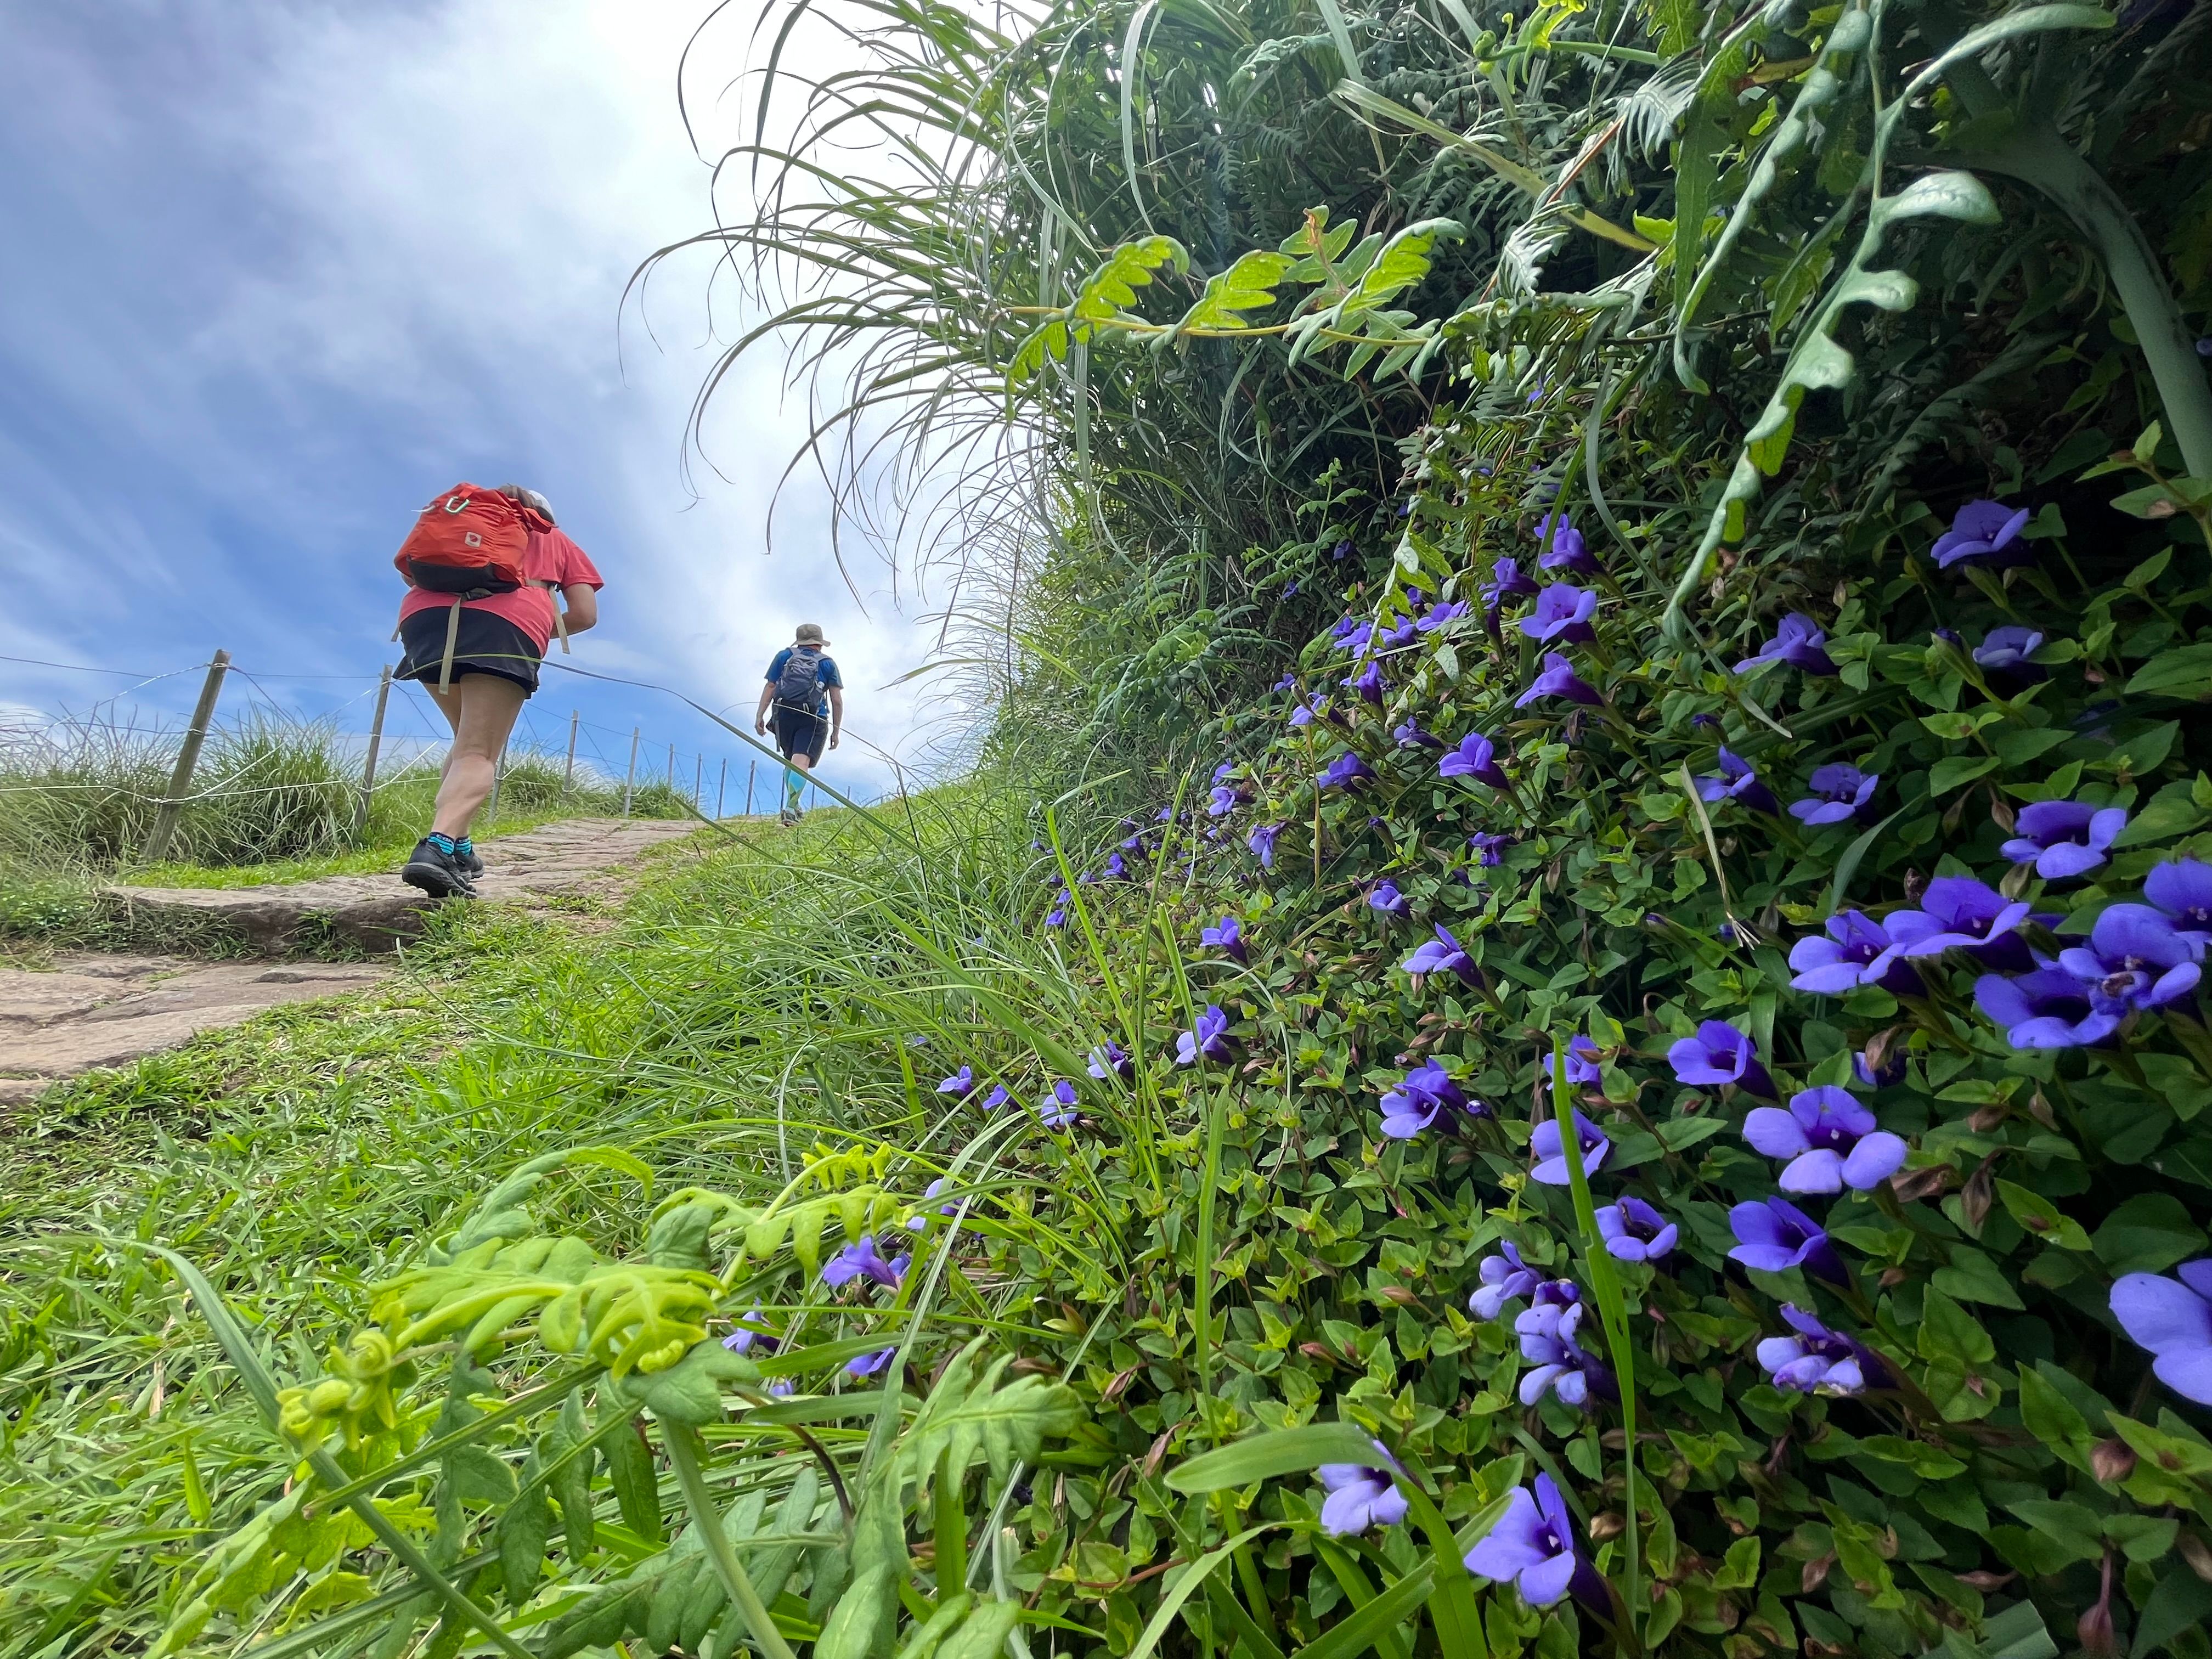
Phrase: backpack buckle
(457, 503)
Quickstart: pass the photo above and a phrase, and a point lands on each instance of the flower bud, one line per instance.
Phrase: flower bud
(1607, 1525)
(2111, 1460)
(2194, 1550)
(2095, 1629)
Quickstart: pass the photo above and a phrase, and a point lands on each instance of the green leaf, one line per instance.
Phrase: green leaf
(1365, 1629)
(2148, 1234)
(1854, 855)
(1947, 1331)
(1972, 1277)
(1247, 285)
(2172, 813)
(1957, 196)
(2184, 672)
(2182, 1601)
(2051, 1418)
(1179, 1590)
(691, 1391)
(2041, 1218)
(2072, 1527)
(1280, 1451)
(1952, 770)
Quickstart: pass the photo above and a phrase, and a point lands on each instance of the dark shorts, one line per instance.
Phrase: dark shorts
(488, 644)
(798, 732)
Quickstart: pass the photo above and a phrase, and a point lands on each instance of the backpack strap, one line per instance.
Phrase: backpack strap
(452, 638)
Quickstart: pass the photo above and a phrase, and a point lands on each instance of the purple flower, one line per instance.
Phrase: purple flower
(1776, 1236)
(1958, 913)
(1058, 1110)
(1110, 1059)
(1737, 781)
(2049, 1008)
(1409, 735)
(1583, 1063)
(1798, 641)
(1558, 679)
(1439, 615)
(1563, 548)
(1563, 1367)
(1443, 954)
(1351, 637)
(1304, 713)
(1634, 1231)
(1228, 938)
(1533, 1544)
(996, 1098)
(1261, 840)
(920, 1223)
(2182, 888)
(1505, 581)
(1489, 849)
(1368, 683)
(1210, 1040)
(1858, 950)
(1503, 1278)
(1116, 868)
(1870, 1076)
(1360, 1495)
(2003, 657)
(1831, 1140)
(1424, 1094)
(1476, 759)
(1551, 1153)
(748, 1336)
(1057, 917)
(2134, 959)
(1387, 899)
(1288, 682)
(2172, 1319)
(868, 1364)
(1340, 552)
(1840, 793)
(1562, 613)
(1818, 1360)
(1222, 801)
(2063, 838)
(1985, 534)
(1345, 770)
(961, 1083)
(861, 1260)
(1720, 1054)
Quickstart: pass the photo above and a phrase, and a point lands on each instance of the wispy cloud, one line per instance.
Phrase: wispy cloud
(275, 273)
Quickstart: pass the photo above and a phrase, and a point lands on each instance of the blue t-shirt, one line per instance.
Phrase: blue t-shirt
(828, 677)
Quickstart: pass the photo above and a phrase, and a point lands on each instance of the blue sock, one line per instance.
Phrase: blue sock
(465, 845)
(443, 843)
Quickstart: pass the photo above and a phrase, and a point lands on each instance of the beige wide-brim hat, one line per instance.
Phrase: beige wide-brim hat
(808, 634)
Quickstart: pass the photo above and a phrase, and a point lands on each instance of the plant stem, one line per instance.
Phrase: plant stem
(682, 1441)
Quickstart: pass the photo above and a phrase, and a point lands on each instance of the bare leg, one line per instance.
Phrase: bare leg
(483, 708)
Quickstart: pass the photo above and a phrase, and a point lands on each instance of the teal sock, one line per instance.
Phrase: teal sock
(443, 843)
(465, 845)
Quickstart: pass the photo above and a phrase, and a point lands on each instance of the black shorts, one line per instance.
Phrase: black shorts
(798, 732)
(488, 644)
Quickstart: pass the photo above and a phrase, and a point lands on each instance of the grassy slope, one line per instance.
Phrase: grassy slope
(300, 1158)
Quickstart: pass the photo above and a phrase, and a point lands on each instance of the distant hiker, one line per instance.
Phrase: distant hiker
(481, 567)
(808, 696)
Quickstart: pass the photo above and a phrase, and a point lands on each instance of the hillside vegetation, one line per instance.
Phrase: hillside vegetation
(1565, 1015)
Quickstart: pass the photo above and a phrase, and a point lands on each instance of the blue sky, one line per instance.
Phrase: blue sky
(274, 274)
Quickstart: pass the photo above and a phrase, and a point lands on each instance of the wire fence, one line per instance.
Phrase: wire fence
(386, 737)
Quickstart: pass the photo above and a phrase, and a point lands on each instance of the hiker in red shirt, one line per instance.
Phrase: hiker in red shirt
(477, 655)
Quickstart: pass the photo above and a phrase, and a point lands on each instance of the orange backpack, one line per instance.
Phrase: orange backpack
(468, 541)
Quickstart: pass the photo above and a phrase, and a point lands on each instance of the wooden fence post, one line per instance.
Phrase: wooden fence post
(751, 767)
(188, 757)
(368, 761)
(568, 775)
(722, 789)
(498, 777)
(629, 783)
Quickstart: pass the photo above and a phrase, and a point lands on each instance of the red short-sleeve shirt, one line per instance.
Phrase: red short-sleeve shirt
(551, 558)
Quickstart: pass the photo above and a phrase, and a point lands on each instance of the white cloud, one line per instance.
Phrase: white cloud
(292, 269)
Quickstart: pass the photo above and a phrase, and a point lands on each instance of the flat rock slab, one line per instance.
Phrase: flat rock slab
(376, 912)
(89, 1009)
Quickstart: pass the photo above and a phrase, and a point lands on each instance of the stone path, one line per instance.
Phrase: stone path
(375, 913)
(89, 1009)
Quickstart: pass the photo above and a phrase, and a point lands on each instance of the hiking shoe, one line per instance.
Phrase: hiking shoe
(470, 862)
(787, 817)
(437, 873)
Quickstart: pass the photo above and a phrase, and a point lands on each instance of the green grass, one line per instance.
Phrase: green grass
(746, 1003)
